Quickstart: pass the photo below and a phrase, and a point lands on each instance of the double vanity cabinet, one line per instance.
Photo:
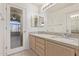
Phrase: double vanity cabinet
(44, 47)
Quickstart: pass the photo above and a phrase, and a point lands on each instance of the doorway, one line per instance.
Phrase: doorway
(14, 29)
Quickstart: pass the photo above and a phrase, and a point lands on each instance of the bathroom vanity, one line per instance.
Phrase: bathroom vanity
(44, 45)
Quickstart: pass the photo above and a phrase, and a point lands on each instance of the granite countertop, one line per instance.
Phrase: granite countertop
(72, 42)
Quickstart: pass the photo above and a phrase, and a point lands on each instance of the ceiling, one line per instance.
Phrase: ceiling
(38, 4)
(59, 6)
(56, 7)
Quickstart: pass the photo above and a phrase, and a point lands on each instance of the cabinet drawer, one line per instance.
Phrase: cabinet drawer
(77, 52)
(40, 51)
(41, 41)
(41, 46)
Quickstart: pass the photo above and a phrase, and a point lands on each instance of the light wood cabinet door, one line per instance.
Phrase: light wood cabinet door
(53, 49)
(32, 42)
(77, 52)
(40, 46)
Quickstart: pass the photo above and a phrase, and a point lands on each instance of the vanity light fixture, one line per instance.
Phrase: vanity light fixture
(74, 16)
(47, 6)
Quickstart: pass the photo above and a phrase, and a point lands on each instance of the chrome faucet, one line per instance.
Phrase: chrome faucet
(66, 35)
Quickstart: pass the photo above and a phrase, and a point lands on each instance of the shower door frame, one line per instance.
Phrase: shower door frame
(14, 50)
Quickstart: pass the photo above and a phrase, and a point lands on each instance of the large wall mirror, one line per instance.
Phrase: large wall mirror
(73, 20)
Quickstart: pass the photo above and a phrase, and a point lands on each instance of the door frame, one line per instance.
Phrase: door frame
(11, 51)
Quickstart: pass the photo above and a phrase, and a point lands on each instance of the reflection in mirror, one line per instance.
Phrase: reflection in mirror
(74, 23)
(15, 28)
